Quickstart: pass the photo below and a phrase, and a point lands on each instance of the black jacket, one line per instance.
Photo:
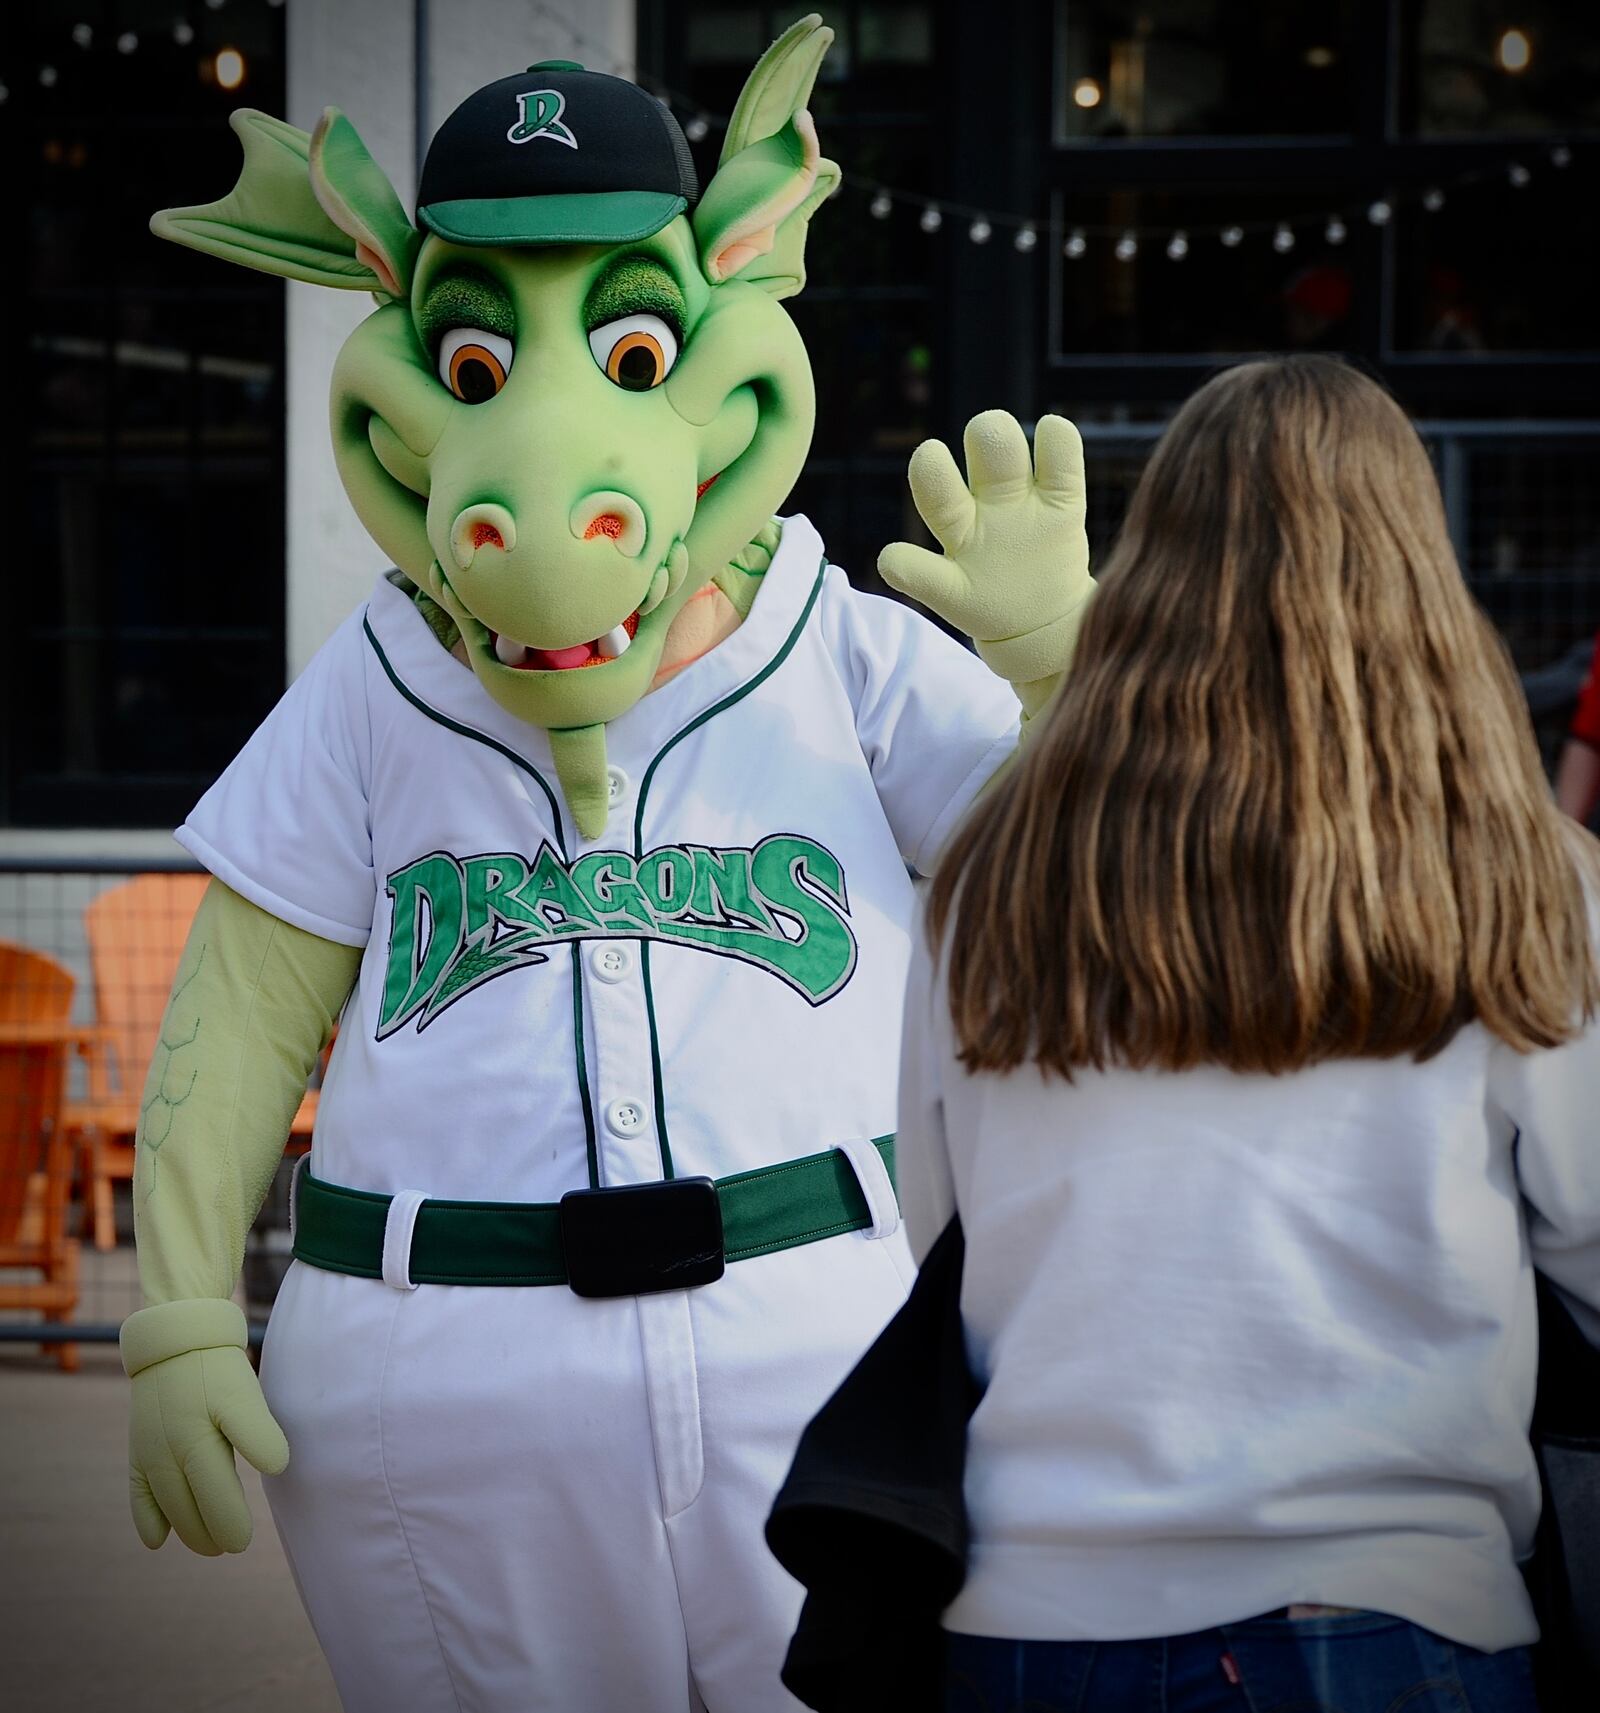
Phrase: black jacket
(872, 1518)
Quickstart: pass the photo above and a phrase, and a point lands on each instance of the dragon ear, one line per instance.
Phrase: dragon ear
(751, 222)
(315, 208)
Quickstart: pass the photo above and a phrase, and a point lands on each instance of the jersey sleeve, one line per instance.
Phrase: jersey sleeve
(1586, 721)
(287, 824)
(933, 721)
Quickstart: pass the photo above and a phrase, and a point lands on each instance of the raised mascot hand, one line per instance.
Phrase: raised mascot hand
(1014, 574)
(196, 1401)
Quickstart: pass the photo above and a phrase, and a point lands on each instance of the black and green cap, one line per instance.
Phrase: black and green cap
(556, 155)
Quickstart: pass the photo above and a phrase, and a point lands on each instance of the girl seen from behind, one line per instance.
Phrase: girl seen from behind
(1254, 1041)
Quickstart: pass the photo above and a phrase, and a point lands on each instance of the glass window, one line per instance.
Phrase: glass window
(1182, 68)
(1498, 268)
(1475, 66)
(1247, 296)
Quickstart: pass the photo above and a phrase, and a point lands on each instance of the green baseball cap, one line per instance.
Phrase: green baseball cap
(556, 155)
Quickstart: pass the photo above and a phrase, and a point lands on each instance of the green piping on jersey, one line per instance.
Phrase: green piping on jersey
(663, 1142)
(534, 774)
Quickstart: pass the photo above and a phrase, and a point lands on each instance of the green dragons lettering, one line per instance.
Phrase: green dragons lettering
(459, 922)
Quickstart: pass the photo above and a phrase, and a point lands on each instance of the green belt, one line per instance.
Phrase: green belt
(519, 1243)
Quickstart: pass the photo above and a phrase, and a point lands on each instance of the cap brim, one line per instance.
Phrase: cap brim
(596, 217)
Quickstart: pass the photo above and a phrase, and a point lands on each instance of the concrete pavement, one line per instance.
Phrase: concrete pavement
(90, 1621)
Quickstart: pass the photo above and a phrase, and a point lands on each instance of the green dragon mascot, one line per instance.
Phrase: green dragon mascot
(591, 831)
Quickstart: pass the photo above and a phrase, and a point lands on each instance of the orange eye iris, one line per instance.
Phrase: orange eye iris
(637, 362)
(476, 373)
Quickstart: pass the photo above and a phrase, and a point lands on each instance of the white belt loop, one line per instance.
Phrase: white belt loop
(876, 1185)
(294, 1190)
(397, 1229)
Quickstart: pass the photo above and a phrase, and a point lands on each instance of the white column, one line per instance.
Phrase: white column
(358, 55)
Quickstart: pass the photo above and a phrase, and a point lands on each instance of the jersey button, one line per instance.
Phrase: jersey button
(616, 785)
(625, 1118)
(611, 963)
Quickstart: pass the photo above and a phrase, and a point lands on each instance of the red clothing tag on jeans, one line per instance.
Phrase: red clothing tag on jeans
(1230, 1668)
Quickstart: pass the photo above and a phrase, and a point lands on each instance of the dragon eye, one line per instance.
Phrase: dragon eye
(636, 351)
(474, 364)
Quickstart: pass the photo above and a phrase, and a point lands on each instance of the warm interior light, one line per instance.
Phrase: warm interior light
(1086, 92)
(230, 68)
(1513, 51)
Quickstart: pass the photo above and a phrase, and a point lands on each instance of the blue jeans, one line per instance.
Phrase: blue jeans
(1365, 1662)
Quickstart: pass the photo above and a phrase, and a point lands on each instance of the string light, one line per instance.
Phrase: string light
(83, 34)
(1560, 155)
(1518, 174)
(1283, 239)
(127, 42)
(1127, 247)
(1334, 232)
(1433, 199)
(1025, 239)
(697, 128)
(1178, 246)
(1232, 237)
(980, 231)
(930, 220)
(1379, 212)
(1513, 51)
(1075, 244)
(5, 95)
(183, 32)
(229, 68)
(48, 75)
(881, 207)
(215, 5)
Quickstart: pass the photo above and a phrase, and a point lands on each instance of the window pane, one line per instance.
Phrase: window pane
(1247, 297)
(1182, 68)
(1483, 66)
(1500, 269)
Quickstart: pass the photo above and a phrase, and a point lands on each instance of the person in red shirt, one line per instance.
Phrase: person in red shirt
(1578, 774)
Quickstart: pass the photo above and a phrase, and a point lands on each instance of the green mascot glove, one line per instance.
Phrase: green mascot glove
(1014, 574)
(196, 1401)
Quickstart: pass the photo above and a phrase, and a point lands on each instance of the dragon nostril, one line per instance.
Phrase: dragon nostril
(486, 535)
(608, 523)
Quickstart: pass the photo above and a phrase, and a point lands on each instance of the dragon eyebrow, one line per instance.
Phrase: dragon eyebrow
(465, 297)
(636, 285)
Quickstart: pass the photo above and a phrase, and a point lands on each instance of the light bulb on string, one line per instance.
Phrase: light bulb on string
(930, 219)
(1075, 244)
(127, 42)
(5, 95)
(48, 75)
(183, 32)
(1127, 247)
(1025, 239)
(1518, 175)
(980, 231)
(1232, 237)
(215, 5)
(1433, 199)
(1283, 238)
(83, 34)
(1178, 246)
(881, 207)
(1560, 155)
(1379, 212)
(696, 129)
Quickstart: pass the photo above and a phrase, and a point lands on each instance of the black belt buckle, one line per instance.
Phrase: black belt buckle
(638, 1238)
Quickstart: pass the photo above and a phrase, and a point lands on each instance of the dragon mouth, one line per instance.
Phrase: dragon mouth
(523, 657)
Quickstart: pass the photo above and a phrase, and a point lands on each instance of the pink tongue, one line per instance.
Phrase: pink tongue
(557, 658)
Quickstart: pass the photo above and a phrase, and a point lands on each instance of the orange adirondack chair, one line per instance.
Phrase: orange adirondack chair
(35, 1150)
(136, 934)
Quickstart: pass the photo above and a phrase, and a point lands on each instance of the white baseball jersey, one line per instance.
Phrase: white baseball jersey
(513, 1497)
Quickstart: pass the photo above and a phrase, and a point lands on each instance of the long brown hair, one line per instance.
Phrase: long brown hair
(1287, 806)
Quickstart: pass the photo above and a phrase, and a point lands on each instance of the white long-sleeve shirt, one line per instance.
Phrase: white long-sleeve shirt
(1253, 1340)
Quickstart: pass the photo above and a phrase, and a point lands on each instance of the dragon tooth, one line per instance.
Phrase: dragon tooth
(509, 652)
(613, 643)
